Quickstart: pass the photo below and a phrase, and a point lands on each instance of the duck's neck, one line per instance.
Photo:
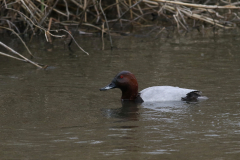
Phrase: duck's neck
(130, 93)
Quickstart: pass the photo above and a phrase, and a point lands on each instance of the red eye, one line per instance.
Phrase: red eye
(121, 76)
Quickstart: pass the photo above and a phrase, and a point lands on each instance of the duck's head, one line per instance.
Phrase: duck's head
(125, 81)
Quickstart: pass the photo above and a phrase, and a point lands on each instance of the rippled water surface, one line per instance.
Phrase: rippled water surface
(59, 113)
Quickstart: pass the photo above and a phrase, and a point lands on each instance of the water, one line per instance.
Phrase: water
(59, 113)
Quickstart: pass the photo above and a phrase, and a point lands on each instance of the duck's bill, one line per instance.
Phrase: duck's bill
(110, 86)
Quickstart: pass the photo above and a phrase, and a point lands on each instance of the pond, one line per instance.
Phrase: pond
(59, 113)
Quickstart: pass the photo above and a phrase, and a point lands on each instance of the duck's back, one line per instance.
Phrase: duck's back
(164, 93)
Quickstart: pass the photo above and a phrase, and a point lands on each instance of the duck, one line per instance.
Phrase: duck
(127, 83)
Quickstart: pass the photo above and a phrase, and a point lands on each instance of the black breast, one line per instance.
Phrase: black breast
(139, 99)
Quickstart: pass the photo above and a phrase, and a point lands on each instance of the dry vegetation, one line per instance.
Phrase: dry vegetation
(54, 17)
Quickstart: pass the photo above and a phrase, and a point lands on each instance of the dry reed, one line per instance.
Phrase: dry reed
(47, 15)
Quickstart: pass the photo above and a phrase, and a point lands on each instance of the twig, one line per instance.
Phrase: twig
(118, 11)
(34, 23)
(20, 55)
(4, 54)
(47, 35)
(206, 19)
(178, 10)
(192, 5)
(9, 22)
(128, 10)
(77, 4)
(68, 32)
(29, 10)
(19, 38)
(67, 12)
(72, 38)
(160, 31)
(48, 12)
(174, 16)
(100, 5)
(152, 30)
(130, 4)
(95, 7)
(140, 9)
(85, 8)
(53, 8)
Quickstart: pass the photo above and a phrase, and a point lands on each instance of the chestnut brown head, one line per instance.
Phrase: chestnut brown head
(125, 81)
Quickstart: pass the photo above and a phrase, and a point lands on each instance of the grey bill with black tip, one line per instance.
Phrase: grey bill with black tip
(110, 86)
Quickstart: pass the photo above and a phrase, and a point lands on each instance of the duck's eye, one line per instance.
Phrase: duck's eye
(121, 76)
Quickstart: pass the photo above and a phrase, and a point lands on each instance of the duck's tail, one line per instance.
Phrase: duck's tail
(192, 96)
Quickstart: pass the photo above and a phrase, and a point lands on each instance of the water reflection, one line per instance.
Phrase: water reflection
(167, 112)
(172, 106)
(129, 111)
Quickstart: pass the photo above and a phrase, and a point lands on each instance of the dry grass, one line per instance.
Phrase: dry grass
(52, 16)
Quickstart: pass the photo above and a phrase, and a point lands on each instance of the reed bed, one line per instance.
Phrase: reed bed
(57, 18)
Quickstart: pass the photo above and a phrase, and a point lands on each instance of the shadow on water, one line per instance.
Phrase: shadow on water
(128, 112)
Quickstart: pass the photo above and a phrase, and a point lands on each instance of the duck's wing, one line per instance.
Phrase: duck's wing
(164, 93)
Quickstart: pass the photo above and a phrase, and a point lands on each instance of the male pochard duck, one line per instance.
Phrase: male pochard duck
(128, 84)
